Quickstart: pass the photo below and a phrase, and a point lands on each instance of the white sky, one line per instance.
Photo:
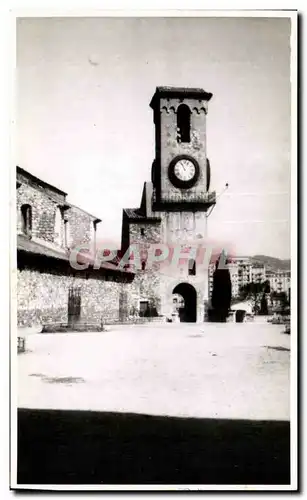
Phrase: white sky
(84, 122)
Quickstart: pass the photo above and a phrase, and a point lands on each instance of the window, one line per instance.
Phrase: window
(143, 265)
(142, 231)
(192, 267)
(67, 238)
(183, 123)
(95, 235)
(26, 219)
(58, 227)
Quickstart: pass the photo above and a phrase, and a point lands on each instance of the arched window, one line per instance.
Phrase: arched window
(26, 219)
(183, 123)
(192, 267)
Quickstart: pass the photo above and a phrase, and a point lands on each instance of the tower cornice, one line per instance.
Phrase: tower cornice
(179, 92)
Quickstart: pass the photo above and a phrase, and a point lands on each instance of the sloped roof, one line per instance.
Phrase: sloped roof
(186, 92)
(27, 245)
(134, 213)
(38, 181)
(24, 244)
(95, 219)
(138, 215)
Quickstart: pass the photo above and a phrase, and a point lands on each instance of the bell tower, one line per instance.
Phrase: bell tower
(175, 207)
(181, 169)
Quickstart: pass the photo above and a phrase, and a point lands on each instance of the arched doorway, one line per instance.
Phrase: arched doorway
(187, 311)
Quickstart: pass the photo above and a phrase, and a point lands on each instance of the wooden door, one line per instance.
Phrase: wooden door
(74, 305)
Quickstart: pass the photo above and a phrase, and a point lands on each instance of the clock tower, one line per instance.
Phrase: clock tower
(174, 209)
(181, 169)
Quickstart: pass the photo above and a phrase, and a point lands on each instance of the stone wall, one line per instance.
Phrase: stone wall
(48, 217)
(43, 212)
(43, 298)
(156, 281)
(80, 227)
(144, 234)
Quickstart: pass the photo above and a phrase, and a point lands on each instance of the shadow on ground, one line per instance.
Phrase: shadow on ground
(278, 348)
(77, 447)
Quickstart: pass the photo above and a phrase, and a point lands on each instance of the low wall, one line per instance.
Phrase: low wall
(42, 298)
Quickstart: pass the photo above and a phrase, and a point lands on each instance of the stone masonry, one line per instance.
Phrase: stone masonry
(42, 298)
(171, 215)
(45, 276)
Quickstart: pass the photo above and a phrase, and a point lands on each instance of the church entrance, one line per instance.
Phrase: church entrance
(186, 307)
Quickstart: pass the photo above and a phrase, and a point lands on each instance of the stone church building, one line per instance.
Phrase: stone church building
(174, 206)
(49, 290)
(163, 239)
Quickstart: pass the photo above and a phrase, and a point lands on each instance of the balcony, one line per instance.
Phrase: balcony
(191, 197)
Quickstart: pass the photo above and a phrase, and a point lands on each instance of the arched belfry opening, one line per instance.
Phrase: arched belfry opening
(187, 309)
(183, 123)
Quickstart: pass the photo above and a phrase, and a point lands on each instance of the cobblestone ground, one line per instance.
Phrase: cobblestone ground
(208, 370)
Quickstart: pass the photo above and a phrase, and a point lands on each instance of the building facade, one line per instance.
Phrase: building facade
(49, 289)
(280, 281)
(172, 215)
(243, 271)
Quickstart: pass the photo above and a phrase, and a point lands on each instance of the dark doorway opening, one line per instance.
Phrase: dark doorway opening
(74, 305)
(187, 313)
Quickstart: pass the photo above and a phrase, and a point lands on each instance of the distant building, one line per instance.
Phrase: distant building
(240, 274)
(280, 281)
(243, 271)
(257, 273)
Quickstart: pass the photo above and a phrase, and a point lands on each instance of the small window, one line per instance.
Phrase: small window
(142, 231)
(67, 236)
(192, 267)
(26, 219)
(143, 264)
(58, 226)
(183, 123)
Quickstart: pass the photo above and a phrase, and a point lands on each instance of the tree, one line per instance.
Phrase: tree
(282, 304)
(263, 306)
(256, 292)
(221, 293)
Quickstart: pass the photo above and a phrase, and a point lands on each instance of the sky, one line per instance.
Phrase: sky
(84, 124)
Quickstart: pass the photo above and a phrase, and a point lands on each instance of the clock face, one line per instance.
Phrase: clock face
(184, 170)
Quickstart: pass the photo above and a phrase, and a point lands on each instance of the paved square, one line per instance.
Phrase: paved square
(192, 370)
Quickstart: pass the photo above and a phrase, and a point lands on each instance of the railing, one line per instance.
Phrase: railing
(192, 197)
